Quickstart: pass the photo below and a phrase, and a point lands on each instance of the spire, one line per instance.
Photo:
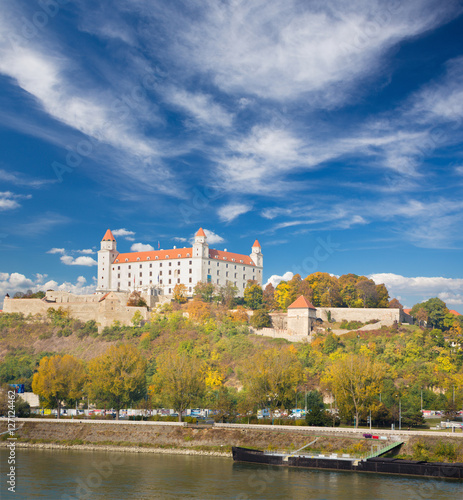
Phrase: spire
(201, 232)
(256, 244)
(108, 236)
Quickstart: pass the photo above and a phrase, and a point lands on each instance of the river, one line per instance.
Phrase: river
(73, 474)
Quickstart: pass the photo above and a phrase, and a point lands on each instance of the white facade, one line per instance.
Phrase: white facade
(158, 271)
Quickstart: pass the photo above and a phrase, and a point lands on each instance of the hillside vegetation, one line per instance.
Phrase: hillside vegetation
(237, 372)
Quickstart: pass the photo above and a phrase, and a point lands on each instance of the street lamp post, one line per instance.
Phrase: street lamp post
(400, 414)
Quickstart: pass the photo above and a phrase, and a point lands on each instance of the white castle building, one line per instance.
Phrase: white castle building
(158, 271)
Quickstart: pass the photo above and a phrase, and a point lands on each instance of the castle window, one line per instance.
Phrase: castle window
(114, 268)
(190, 270)
(179, 255)
(141, 275)
(126, 260)
(128, 284)
(118, 275)
(138, 258)
(118, 268)
(217, 264)
(233, 260)
(241, 261)
(226, 265)
(130, 275)
(218, 272)
(190, 288)
(178, 280)
(157, 258)
(151, 273)
(160, 273)
(225, 258)
(236, 275)
(151, 282)
(191, 262)
(170, 281)
(160, 282)
(178, 263)
(141, 282)
(167, 256)
(170, 290)
(188, 255)
(170, 263)
(140, 266)
(170, 272)
(130, 266)
(118, 286)
(160, 265)
(148, 258)
(226, 274)
(191, 281)
(151, 265)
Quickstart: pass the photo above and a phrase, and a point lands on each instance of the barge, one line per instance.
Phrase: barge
(375, 464)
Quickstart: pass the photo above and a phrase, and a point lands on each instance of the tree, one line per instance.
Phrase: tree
(436, 309)
(117, 377)
(395, 304)
(367, 292)
(58, 379)
(227, 294)
(137, 318)
(180, 293)
(316, 414)
(21, 408)
(136, 300)
(253, 296)
(178, 381)
(268, 298)
(271, 376)
(261, 319)
(204, 291)
(355, 381)
(282, 295)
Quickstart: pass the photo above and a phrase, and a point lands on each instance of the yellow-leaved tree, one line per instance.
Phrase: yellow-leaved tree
(272, 376)
(117, 377)
(59, 379)
(178, 381)
(355, 380)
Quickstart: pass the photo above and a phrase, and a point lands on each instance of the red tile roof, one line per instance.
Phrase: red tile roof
(200, 232)
(181, 253)
(108, 236)
(456, 313)
(256, 244)
(301, 303)
(407, 311)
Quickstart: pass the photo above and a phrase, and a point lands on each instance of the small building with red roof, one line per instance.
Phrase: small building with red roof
(301, 316)
(156, 272)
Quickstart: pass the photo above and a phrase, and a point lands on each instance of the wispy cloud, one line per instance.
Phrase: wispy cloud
(61, 251)
(20, 179)
(230, 212)
(83, 260)
(125, 233)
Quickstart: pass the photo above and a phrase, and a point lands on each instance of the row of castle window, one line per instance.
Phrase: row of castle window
(170, 264)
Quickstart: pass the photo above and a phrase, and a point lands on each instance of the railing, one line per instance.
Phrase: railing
(382, 451)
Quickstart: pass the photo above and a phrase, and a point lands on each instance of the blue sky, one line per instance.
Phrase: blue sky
(331, 131)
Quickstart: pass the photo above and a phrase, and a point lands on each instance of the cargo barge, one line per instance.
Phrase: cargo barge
(376, 464)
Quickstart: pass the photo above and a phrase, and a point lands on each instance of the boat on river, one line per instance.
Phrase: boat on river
(376, 464)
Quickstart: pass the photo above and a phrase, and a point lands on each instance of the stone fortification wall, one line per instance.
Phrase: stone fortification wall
(387, 316)
(102, 309)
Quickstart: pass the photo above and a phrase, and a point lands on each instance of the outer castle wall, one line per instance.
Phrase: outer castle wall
(386, 315)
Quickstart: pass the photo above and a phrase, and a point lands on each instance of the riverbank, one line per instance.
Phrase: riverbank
(146, 437)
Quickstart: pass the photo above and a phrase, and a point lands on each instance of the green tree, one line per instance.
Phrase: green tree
(261, 319)
(268, 298)
(227, 294)
(59, 379)
(204, 291)
(179, 380)
(316, 414)
(436, 309)
(253, 296)
(117, 377)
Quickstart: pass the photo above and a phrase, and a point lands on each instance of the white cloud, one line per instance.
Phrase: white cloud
(141, 247)
(271, 213)
(79, 261)
(229, 212)
(86, 251)
(8, 200)
(425, 287)
(284, 49)
(20, 179)
(213, 238)
(178, 238)
(201, 107)
(16, 282)
(275, 279)
(125, 233)
(57, 250)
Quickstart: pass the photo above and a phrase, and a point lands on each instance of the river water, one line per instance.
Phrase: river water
(72, 474)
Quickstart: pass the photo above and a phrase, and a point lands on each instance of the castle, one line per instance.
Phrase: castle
(157, 272)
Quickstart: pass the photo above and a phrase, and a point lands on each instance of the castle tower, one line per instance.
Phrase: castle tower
(106, 256)
(256, 254)
(200, 246)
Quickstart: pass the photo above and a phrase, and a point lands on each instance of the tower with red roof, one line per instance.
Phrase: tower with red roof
(106, 255)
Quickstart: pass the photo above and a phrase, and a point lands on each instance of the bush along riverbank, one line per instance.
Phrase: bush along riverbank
(219, 441)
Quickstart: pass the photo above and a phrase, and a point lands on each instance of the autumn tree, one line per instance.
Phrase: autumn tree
(179, 380)
(59, 379)
(253, 296)
(282, 295)
(355, 380)
(227, 294)
(436, 310)
(271, 376)
(136, 300)
(268, 298)
(366, 291)
(117, 377)
(180, 293)
(395, 304)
